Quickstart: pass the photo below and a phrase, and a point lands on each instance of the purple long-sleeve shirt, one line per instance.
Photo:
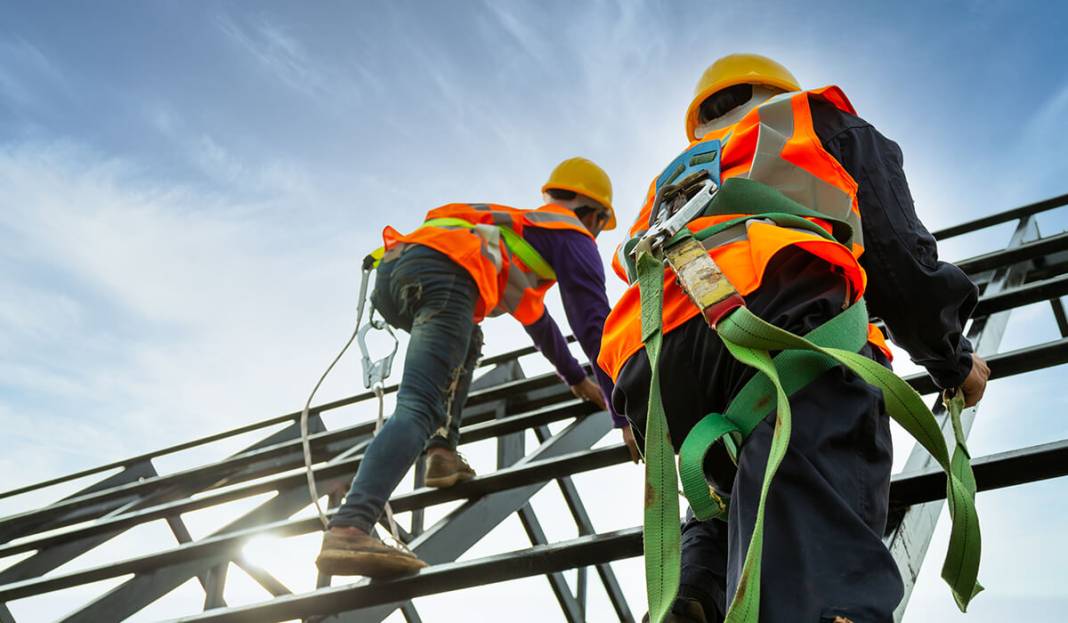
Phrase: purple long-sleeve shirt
(580, 273)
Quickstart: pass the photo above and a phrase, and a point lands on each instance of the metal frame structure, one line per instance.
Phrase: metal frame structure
(503, 406)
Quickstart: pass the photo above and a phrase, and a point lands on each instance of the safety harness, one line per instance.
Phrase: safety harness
(751, 340)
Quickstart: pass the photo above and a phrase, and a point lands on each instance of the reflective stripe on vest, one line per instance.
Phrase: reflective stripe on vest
(769, 167)
(487, 240)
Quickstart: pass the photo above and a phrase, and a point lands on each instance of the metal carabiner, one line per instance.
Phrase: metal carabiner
(375, 372)
(670, 223)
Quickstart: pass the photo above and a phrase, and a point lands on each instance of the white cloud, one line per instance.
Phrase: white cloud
(167, 313)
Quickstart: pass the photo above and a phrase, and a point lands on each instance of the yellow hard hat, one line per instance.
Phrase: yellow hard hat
(736, 69)
(582, 176)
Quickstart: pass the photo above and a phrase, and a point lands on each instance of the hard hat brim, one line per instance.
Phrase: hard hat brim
(611, 224)
(694, 110)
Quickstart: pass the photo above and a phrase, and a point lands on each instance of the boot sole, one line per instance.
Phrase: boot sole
(444, 482)
(368, 564)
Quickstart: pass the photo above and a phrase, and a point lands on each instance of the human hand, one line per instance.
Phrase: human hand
(631, 443)
(589, 391)
(975, 383)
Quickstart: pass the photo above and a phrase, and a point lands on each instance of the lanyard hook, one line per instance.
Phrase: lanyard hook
(376, 372)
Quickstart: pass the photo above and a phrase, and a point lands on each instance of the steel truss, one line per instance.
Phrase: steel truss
(503, 405)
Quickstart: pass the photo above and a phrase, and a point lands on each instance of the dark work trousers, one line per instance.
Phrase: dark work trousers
(433, 298)
(827, 507)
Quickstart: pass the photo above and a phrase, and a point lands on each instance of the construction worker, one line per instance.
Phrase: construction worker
(466, 262)
(823, 557)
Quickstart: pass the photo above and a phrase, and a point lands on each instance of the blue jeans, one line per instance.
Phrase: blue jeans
(432, 298)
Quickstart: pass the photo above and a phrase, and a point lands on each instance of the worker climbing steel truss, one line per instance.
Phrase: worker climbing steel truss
(1030, 269)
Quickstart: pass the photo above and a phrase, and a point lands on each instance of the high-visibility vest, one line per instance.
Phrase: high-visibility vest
(774, 144)
(487, 241)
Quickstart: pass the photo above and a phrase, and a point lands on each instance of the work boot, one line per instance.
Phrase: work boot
(445, 468)
(683, 610)
(348, 551)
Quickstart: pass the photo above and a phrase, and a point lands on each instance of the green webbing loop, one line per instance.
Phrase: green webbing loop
(662, 532)
(704, 502)
(519, 247)
(847, 330)
(749, 339)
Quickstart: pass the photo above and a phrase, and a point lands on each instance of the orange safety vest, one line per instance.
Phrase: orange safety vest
(774, 144)
(506, 284)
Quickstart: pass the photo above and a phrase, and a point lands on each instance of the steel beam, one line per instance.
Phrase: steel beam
(143, 589)
(510, 450)
(315, 411)
(1011, 363)
(583, 551)
(1002, 217)
(259, 461)
(409, 613)
(1034, 292)
(1060, 315)
(222, 543)
(1014, 254)
(585, 526)
(569, 605)
(909, 540)
(61, 552)
(995, 471)
(992, 472)
(451, 537)
(329, 471)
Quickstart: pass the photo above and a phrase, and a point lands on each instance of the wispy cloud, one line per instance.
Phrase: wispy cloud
(177, 294)
(279, 54)
(26, 72)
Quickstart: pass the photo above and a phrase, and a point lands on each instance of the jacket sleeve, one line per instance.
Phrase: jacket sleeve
(580, 274)
(547, 338)
(923, 301)
(582, 289)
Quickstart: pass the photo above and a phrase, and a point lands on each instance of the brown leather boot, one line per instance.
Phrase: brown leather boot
(350, 552)
(445, 469)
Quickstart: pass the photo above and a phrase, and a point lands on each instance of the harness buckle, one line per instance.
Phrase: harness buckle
(703, 280)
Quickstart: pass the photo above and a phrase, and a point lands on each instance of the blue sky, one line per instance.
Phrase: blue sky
(186, 190)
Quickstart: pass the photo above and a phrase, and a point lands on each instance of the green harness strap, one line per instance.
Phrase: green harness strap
(798, 368)
(661, 531)
(749, 339)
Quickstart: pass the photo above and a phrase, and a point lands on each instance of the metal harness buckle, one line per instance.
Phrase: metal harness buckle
(695, 270)
(698, 189)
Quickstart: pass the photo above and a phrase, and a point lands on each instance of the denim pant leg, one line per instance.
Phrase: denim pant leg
(448, 436)
(429, 295)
